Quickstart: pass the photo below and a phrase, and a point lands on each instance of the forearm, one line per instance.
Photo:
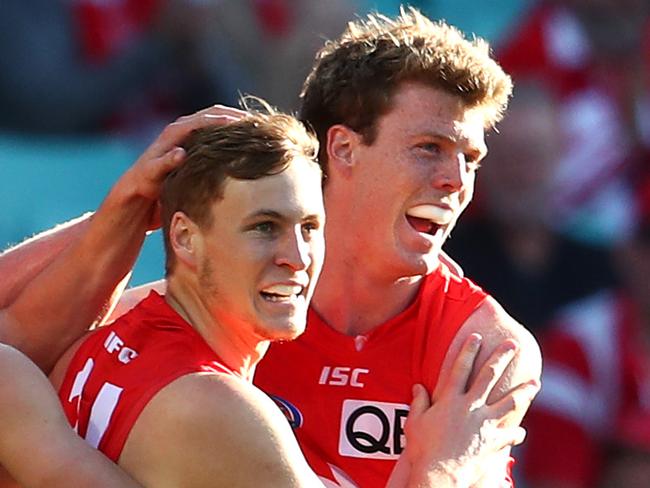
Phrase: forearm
(69, 294)
(37, 446)
(20, 264)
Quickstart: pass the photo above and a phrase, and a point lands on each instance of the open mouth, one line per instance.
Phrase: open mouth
(423, 225)
(282, 293)
(428, 219)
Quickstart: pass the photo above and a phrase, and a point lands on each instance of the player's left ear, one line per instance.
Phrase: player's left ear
(184, 238)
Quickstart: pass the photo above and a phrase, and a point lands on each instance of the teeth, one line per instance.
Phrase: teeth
(284, 290)
(433, 213)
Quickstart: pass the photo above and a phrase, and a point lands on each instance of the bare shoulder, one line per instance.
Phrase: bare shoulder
(214, 429)
(495, 326)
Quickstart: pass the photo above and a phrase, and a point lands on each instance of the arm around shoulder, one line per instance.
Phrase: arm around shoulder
(37, 445)
(214, 430)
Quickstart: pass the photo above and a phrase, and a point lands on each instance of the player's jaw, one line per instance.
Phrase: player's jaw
(265, 249)
(282, 306)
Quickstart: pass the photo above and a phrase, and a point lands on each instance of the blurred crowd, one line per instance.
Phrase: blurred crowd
(560, 233)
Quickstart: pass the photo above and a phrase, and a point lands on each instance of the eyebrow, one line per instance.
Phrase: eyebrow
(265, 213)
(274, 214)
(480, 149)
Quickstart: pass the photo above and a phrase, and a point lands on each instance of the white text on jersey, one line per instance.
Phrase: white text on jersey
(342, 376)
(113, 343)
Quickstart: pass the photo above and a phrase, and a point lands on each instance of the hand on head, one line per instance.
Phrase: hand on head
(144, 179)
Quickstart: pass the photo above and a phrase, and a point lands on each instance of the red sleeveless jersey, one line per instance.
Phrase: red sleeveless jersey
(348, 397)
(119, 368)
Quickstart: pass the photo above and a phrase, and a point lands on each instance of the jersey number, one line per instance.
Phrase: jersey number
(102, 408)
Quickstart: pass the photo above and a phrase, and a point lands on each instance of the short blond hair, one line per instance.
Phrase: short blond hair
(355, 76)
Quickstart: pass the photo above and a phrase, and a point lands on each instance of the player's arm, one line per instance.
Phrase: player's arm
(452, 435)
(496, 327)
(21, 263)
(37, 446)
(214, 430)
(55, 306)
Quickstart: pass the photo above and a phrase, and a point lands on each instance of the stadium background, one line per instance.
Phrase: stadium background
(53, 173)
(85, 85)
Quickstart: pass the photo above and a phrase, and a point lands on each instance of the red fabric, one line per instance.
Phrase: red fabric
(568, 350)
(348, 397)
(558, 450)
(526, 53)
(105, 27)
(274, 16)
(167, 348)
(566, 447)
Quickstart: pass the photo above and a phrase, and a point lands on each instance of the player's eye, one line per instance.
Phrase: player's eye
(310, 227)
(266, 227)
(429, 147)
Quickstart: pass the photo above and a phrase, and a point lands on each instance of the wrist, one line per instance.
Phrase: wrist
(126, 203)
(128, 191)
(438, 474)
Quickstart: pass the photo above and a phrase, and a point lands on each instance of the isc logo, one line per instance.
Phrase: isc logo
(372, 429)
(341, 376)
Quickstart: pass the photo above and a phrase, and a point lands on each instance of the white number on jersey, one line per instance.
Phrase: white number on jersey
(102, 408)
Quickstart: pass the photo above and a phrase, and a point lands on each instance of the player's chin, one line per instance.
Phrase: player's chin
(415, 263)
(285, 330)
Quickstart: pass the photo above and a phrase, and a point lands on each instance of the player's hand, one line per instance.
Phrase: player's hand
(452, 435)
(144, 179)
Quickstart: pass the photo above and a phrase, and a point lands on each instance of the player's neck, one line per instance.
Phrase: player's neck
(240, 352)
(355, 304)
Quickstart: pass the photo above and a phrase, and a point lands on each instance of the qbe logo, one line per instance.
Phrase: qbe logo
(372, 429)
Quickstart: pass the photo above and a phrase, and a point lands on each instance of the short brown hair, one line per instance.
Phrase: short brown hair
(354, 77)
(261, 144)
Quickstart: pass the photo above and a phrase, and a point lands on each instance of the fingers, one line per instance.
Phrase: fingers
(518, 399)
(177, 131)
(462, 367)
(167, 162)
(492, 371)
(155, 221)
(420, 401)
(509, 436)
(219, 110)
